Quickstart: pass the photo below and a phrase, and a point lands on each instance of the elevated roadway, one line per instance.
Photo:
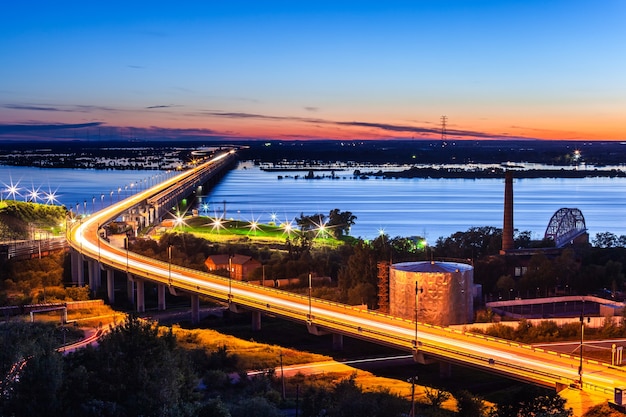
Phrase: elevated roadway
(510, 359)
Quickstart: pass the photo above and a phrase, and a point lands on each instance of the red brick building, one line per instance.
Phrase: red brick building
(241, 266)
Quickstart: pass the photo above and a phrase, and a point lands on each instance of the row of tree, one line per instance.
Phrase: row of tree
(353, 266)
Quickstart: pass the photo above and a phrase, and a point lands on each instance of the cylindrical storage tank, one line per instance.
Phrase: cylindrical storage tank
(442, 291)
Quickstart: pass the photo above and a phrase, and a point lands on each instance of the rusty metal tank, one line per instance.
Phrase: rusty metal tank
(442, 291)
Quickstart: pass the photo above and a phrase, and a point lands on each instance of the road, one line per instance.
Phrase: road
(514, 360)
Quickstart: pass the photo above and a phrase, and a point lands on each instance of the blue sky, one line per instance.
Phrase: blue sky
(299, 70)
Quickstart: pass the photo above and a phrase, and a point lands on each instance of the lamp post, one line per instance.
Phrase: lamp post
(230, 278)
(126, 244)
(418, 290)
(310, 317)
(169, 257)
(412, 380)
(582, 335)
(98, 233)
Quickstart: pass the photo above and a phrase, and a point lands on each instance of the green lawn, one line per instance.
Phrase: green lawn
(225, 230)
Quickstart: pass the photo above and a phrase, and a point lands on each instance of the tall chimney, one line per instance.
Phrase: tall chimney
(507, 230)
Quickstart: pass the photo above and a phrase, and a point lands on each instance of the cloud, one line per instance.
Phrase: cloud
(80, 108)
(161, 106)
(17, 128)
(382, 126)
(27, 107)
(309, 108)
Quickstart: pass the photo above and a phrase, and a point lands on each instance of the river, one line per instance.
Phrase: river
(399, 207)
(419, 206)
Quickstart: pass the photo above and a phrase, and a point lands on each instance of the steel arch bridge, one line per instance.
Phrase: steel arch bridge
(565, 225)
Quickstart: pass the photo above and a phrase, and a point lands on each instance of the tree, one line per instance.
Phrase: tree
(135, 369)
(34, 389)
(310, 223)
(340, 223)
(475, 243)
(605, 240)
(505, 285)
(469, 405)
(540, 277)
(360, 274)
(532, 402)
(436, 396)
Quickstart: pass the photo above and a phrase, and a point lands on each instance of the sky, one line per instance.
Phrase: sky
(313, 70)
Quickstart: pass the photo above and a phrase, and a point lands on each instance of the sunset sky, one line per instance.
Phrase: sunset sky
(321, 70)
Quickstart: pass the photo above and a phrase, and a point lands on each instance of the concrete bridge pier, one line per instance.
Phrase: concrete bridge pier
(130, 289)
(151, 213)
(445, 370)
(256, 321)
(337, 341)
(76, 259)
(161, 296)
(110, 286)
(94, 277)
(195, 308)
(141, 296)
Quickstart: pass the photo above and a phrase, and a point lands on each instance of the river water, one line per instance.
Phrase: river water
(400, 207)
(419, 206)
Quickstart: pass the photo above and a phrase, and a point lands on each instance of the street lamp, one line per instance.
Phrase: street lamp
(412, 380)
(310, 317)
(582, 341)
(126, 244)
(418, 290)
(230, 278)
(169, 257)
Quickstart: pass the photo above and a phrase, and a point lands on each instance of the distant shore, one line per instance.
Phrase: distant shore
(452, 173)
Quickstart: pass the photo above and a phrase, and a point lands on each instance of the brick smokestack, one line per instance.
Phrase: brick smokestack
(507, 229)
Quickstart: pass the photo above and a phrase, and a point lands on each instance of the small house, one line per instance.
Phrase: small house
(240, 266)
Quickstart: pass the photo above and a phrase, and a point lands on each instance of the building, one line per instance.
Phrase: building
(241, 267)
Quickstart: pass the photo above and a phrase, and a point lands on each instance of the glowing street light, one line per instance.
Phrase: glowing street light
(217, 224)
(288, 227)
(32, 195)
(178, 220)
(50, 197)
(13, 190)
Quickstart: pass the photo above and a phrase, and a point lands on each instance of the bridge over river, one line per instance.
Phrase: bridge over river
(426, 342)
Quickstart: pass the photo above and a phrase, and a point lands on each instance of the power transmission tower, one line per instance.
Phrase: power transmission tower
(444, 120)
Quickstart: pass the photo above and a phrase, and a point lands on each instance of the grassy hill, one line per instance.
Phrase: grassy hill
(23, 220)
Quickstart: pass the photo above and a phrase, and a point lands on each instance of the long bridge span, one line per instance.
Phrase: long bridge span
(514, 360)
